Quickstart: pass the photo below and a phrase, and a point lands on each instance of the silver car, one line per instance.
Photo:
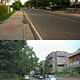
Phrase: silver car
(26, 77)
(51, 77)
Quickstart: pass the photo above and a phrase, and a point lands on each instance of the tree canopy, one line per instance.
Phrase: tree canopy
(16, 58)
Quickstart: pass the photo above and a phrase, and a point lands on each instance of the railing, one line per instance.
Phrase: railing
(77, 62)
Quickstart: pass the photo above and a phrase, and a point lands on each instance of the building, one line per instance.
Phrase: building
(73, 2)
(74, 60)
(57, 60)
(2, 2)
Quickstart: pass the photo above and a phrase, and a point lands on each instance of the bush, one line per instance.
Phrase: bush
(2, 18)
(3, 10)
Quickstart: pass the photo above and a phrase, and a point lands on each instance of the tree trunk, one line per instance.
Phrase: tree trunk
(75, 9)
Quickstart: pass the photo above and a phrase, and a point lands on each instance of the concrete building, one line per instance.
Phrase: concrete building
(57, 60)
(74, 60)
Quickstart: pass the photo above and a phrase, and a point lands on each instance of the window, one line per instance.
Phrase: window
(73, 58)
(76, 58)
(77, 62)
(60, 57)
(60, 65)
(51, 65)
(50, 58)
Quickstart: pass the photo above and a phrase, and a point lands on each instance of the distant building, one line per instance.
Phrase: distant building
(74, 60)
(73, 2)
(57, 60)
(2, 2)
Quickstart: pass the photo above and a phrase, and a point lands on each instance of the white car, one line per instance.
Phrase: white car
(40, 77)
(51, 77)
(26, 77)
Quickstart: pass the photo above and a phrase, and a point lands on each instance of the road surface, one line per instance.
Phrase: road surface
(54, 26)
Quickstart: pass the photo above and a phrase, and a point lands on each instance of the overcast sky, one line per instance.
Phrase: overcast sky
(23, 1)
(43, 47)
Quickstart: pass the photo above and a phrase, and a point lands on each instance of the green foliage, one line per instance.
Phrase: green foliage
(17, 5)
(9, 57)
(2, 18)
(70, 71)
(16, 59)
(57, 72)
(17, 78)
(3, 10)
(41, 70)
(24, 19)
(46, 3)
(46, 67)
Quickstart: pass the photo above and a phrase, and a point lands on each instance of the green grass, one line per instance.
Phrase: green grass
(24, 19)
(18, 78)
(2, 18)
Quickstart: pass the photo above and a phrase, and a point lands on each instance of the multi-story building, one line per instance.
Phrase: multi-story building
(57, 60)
(74, 60)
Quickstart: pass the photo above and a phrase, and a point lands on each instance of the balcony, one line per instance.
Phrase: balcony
(75, 64)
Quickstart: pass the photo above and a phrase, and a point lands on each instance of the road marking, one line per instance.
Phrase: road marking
(33, 27)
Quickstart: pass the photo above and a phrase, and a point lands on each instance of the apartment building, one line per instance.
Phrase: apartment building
(74, 60)
(57, 60)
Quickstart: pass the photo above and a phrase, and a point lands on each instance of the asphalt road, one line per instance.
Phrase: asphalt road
(55, 26)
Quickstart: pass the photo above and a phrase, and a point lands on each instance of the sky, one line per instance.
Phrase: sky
(43, 47)
(23, 1)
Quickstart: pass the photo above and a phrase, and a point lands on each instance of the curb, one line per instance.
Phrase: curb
(33, 29)
(50, 12)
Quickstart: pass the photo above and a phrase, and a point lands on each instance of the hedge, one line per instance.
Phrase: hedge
(3, 10)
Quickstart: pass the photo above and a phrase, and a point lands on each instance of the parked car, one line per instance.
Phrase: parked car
(40, 77)
(26, 77)
(35, 76)
(51, 77)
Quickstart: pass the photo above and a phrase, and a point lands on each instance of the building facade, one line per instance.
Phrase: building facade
(74, 60)
(57, 60)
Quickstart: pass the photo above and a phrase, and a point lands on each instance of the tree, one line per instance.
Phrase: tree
(17, 5)
(16, 58)
(9, 56)
(75, 9)
(46, 67)
(41, 70)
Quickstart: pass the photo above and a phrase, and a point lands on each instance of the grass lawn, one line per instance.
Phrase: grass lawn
(18, 78)
(2, 18)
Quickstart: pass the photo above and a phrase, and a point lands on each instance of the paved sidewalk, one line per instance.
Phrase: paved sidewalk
(14, 29)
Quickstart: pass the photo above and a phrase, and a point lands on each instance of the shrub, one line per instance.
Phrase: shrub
(3, 10)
